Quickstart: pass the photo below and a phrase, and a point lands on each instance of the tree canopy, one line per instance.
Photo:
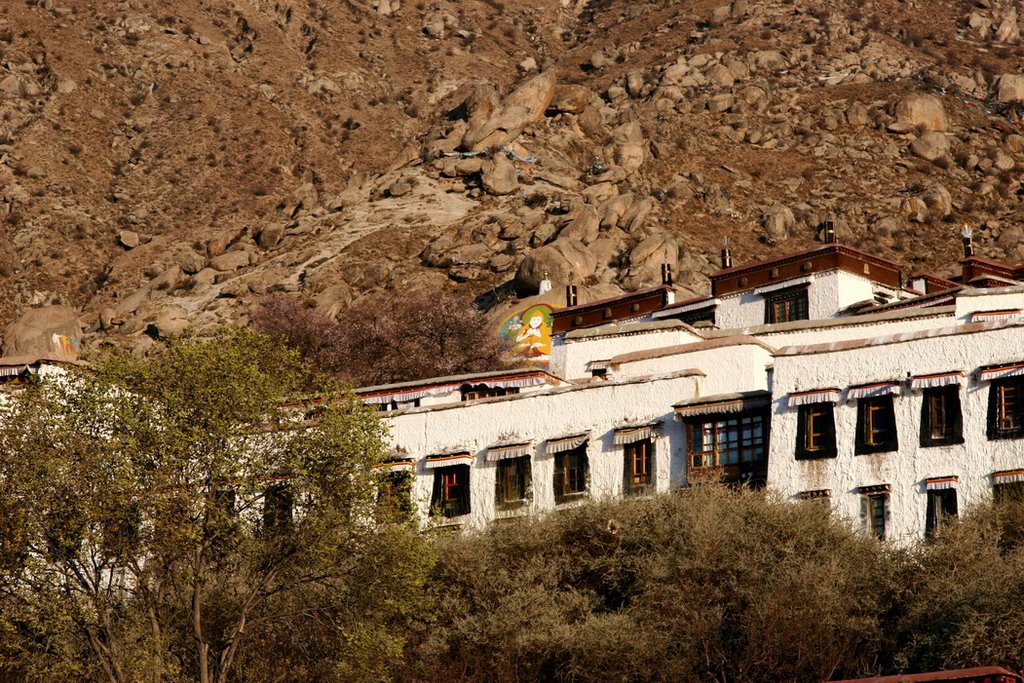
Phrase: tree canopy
(407, 338)
(164, 515)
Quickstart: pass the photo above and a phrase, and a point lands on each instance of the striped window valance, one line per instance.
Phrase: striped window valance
(407, 396)
(508, 449)
(562, 444)
(939, 379)
(446, 459)
(814, 495)
(15, 370)
(507, 383)
(871, 390)
(1007, 476)
(982, 316)
(632, 434)
(794, 283)
(1000, 371)
(803, 398)
(723, 403)
(397, 465)
(875, 488)
(940, 483)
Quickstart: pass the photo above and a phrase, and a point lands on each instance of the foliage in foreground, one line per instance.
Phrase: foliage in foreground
(713, 584)
(144, 535)
(170, 518)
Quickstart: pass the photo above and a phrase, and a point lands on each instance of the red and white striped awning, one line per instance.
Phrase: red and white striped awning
(871, 390)
(397, 465)
(447, 459)
(983, 316)
(509, 449)
(407, 396)
(940, 483)
(507, 383)
(938, 379)
(1007, 476)
(562, 444)
(632, 434)
(803, 398)
(15, 370)
(723, 403)
(1001, 371)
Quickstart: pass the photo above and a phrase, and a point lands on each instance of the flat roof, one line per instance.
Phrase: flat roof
(677, 349)
(968, 328)
(554, 391)
(796, 256)
(455, 379)
(639, 327)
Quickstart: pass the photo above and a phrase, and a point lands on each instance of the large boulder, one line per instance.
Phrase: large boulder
(584, 227)
(776, 224)
(50, 330)
(931, 146)
(1011, 88)
(922, 110)
(564, 261)
(523, 106)
(570, 99)
(498, 176)
(646, 258)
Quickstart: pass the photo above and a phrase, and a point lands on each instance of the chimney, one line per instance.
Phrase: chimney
(570, 295)
(726, 254)
(828, 233)
(545, 283)
(666, 274)
(968, 236)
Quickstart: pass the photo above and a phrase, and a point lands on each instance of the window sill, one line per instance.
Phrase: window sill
(1016, 434)
(572, 498)
(933, 443)
(512, 505)
(875, 451)
(816, 455)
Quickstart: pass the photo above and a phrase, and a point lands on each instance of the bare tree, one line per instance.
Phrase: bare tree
(379, 341)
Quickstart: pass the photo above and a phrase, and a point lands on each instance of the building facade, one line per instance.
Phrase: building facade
(827, 375)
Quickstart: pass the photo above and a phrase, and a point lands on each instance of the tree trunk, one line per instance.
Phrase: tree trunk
(202, 647)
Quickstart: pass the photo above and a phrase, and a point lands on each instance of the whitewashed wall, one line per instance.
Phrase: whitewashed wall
(906, 469)
(855, 327)
(827, 294)
(597, 409)
(736, 367)
(995, 299)
(569, 357)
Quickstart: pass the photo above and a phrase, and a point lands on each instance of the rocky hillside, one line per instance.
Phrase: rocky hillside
(165, 164)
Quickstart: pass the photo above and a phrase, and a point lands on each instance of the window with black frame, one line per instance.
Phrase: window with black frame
(816, 432)
(512, 482)
(450, 497)
(941, 416)
(876, 425)
(571, 474)
(638, 476)
(1006, 408)
(786, 306)
(942, 508)
(875, 511)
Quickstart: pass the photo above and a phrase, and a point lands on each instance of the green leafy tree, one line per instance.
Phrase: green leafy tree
(163, 516)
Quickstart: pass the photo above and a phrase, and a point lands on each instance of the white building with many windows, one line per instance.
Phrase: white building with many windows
(828, 374)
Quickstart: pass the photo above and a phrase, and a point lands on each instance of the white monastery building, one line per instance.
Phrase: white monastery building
(826, 374)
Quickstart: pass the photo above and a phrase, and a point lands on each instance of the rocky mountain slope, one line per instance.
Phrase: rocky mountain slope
(163, 165)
